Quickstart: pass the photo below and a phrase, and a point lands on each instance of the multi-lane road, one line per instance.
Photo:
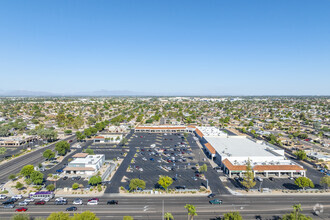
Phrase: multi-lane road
(15, 165)
(250, 207)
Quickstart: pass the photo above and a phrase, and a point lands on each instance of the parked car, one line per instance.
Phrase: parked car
(211, 195)
(72, 208)
(180, 187)
(40, 203)
(17, 197)
(59, 171)
(29, 200)
(77, 202)
(93, 202)
(9, 206)
(65, 178)
(3, 197)
(23, 203)
(22, 209)
(112, 202)
(46, 199)
(271, 178)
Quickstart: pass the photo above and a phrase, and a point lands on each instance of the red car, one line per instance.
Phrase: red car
(22, 209)
(96, 199)
(40, 203)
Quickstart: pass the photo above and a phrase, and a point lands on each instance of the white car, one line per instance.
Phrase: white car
(24, 203)
(145, 159)
(17, 197)
(93, 202)
(3, 197)
(77, 202)
(45, 199)
(59, 199)
(29, 200)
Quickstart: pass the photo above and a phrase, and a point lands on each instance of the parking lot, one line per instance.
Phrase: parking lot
(155, 154)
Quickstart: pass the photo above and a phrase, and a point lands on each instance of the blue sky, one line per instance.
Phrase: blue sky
(263, 47)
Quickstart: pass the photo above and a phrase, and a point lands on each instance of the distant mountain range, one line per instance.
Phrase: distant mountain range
(27, 93)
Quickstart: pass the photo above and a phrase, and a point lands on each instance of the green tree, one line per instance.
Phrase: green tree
(304, 182)
(168, 216)
(295, 214)
(301, 155)
(87, 215)
(80, 136)
(62, 147)
(75, 186)
(89, 151)
(27, 170)
(203, 168)
(137, 183)
(59, 216)
(165, 182)
(232, 216)
(19, 185)
(3, 150)
(94, 180)
(48, 154)
(12, 176)
(191, 211)
(325, 181)
(50, 187)
(37, 177)
(68, 131)
(248, 180)
(128, 218)
(21, 216)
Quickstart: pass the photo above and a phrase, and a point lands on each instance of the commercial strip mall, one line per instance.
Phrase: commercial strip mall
(231, 153)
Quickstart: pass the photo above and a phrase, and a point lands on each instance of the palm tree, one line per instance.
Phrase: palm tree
(168, 216)
(191, 211)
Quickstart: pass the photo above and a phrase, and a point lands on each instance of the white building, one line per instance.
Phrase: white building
(233, 152)
(85, 164)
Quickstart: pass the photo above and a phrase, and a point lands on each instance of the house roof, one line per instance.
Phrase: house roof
(210, 148)
(79, 169)
(80, 155)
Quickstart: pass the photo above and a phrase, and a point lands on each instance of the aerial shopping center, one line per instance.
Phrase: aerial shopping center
(232, 152)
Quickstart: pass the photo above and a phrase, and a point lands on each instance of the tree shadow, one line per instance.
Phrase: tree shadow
(290, 186)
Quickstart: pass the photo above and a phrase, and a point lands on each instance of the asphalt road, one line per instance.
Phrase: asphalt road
(15, 165)
(266, 207)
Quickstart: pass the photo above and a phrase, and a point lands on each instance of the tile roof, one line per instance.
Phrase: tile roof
(79, 169)
(277, 167)
(232, 167)
(80, 155)
(199, 132)
(210, 148)
(101, 137)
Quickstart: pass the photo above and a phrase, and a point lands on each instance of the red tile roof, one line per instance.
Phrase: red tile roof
(79, 169)
(232, 167)
(199, 133)
(101, 137)
(80, 155)
(277, 167)
(210, 148)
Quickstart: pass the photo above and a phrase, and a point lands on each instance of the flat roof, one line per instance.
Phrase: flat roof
(239, 146)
